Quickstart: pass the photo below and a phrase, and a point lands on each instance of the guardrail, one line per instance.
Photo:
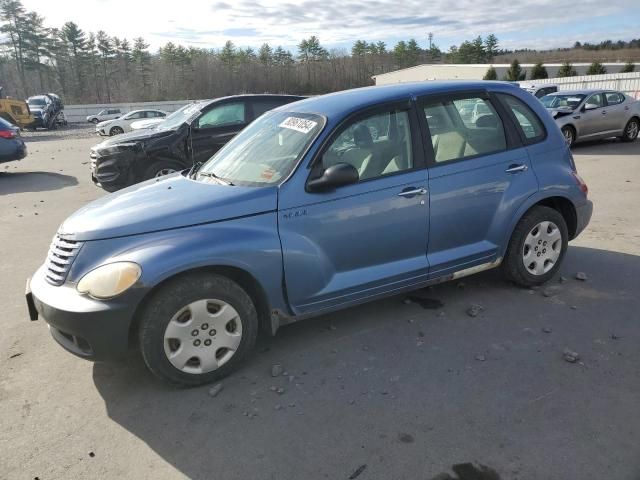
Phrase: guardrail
(79, 113)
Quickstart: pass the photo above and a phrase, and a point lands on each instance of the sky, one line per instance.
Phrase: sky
(536, 24)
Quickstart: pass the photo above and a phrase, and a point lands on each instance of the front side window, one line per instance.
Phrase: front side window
(264, 105)
(135, 116)
(375, 146)
(265, 152)
(223, 115)
(614, 98)
(595, 101)
(529, 122)
(562, 101)
(464, 128)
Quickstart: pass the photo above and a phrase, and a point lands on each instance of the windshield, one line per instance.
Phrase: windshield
(266, 151)
(177, 118)
(36, 101)
(562, 101)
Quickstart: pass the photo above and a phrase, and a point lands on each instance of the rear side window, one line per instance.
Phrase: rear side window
(530, 125)
(264, 105)
(614, 98)
(464, 128)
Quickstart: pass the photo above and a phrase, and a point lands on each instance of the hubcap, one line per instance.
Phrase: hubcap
(632, 130)
(202, 336)
(568, 135)
(164, 171)
(542, 248)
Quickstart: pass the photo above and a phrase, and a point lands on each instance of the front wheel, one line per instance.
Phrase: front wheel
(197, 329)
(159, 169)
(631, 130)
(116, 131)
(537, 246)
(569, 135)
(95, 121)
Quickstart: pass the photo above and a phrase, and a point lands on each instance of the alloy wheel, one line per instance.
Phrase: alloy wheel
(542, 248)
(568, 136)
(632, 130)
(202, 336)
(164, 171)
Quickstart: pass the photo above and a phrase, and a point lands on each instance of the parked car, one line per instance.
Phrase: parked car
(539, 90)
(304, 213)
(104, 115)
(12, 147)
(594, 114)
(16, 112)
(191, 134)
(122, 124)
(47, 110)
(154, 122)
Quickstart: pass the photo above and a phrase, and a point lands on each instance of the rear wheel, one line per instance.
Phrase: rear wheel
(537, 247)
(631, 130)
(116, 131)
(569, 134)
(197, 329)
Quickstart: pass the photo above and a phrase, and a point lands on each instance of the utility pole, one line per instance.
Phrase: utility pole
(430, 40)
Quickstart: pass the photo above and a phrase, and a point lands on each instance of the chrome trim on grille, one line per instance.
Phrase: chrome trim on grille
(59, 259)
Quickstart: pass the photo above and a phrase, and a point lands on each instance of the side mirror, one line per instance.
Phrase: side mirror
(589, 106)
(333, 177)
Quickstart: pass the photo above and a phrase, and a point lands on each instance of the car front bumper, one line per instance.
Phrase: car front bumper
(111, 172)
(91, 329)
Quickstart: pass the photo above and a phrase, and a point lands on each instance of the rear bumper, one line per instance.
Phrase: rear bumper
(583, 214)
(88, 328)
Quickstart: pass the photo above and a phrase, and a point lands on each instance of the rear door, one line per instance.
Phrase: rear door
(617, 112)
(216, 126)
(479, 174)
(364, 239)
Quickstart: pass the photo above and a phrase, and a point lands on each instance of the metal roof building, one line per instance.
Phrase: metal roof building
(444, 71)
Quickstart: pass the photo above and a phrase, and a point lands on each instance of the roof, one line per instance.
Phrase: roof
(583, 91)
(342, 103)
(203, 103)
(494, 65)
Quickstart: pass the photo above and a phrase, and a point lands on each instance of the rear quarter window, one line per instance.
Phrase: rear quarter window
(526, 120)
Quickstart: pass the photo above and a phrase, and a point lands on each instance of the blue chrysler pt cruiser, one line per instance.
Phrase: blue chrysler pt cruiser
(316, 206)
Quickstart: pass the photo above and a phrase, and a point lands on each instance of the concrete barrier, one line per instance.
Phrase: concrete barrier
(628, 83)
(79, 113)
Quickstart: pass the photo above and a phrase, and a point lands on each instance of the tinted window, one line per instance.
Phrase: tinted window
(377, 145)
(614, 98)
(113, 112)
(227, 114)
(464, 128)
(136, 115)
(595, 101)
(264, 105)
(529, 122)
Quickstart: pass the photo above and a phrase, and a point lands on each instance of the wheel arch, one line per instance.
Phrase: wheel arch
(241, 276)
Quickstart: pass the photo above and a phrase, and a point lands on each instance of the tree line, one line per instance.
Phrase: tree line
(93, 67)
(515, 72)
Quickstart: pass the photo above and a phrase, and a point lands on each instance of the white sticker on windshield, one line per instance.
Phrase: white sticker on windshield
(298, 124)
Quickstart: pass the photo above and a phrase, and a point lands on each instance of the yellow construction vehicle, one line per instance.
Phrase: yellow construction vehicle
(15, 111)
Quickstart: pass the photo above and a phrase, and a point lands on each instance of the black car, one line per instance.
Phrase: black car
(11, 145)
(189, 135)
(47, 110)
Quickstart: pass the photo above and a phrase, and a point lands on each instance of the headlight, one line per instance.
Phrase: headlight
(110, 280)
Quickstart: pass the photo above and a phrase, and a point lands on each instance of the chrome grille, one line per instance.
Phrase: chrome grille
(59, 260)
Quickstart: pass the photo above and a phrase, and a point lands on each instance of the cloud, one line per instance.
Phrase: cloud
(338, 23)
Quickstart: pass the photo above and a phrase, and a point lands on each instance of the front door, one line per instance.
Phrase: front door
(479, 175)
(363, 239)
(215, 127)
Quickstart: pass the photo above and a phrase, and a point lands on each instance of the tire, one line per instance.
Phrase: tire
(160, 169)
(631, 130)
(95, 121)
(569, 134)
(522, 254)
(115, 131)
(172, 308)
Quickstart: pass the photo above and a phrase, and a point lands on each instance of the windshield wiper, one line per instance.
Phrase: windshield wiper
(213, 175)
(194, 169)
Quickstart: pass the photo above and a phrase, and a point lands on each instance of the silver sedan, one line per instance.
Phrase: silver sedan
(594, 114)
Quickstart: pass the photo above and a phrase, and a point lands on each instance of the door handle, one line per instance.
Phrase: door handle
(411, 192)
(516, 168)
(604, 112)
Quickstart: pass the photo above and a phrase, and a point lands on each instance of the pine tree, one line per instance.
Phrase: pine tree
(539, 72)
(567, 70)
(628, 67)
(596, 68)
(515, 73)
(491, 74)
(106, 54)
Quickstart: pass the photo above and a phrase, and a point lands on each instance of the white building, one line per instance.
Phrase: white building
(443, 71)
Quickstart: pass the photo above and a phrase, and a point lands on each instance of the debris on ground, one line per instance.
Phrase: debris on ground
(475, 310)
(481, 358)
(570, 356)
(279, 390)
(91, 454)
(613, 336)
(581, 276)
(215, 390)
(562, 279)
(421, 298)
(276, 370)
(405, 438)
(547, 329)
(20, 353)
(551, 291)
(357, 472)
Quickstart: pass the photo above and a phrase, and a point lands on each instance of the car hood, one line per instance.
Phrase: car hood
(171, 202)
(130, 137)
(559, 112)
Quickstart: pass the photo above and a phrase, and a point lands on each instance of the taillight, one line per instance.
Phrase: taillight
(7, 134)
(581, 183)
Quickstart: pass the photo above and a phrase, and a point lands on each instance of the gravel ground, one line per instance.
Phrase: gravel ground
(393, 389)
